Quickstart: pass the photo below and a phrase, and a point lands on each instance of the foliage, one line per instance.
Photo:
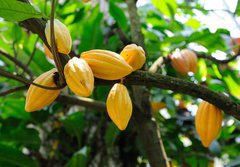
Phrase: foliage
(64, 135)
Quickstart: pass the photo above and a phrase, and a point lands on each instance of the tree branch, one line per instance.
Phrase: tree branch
(204, 56)
(17, 62)
(148, 130)
(4, 93)
(86, 102)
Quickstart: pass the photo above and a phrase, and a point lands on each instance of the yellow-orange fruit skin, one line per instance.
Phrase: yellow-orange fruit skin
(191, 57)
(79, 77)
(179, 63)
(62, 36)
(134, 55)
(47, 52)
(208, 122)
(106, 64)
(38, 98)
(119, 106)
(86, 1)
(156, 106)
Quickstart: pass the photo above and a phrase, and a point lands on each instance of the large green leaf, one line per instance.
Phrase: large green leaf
(13, 156)
(118, 14)
(80, 158)
(167, 7)
(11, 107)
(74, 124)
(14, 10)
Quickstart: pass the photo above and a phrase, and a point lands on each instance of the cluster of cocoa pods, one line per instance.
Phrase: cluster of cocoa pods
(79, 74)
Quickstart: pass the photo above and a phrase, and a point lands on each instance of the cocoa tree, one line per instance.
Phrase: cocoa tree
(76, 131)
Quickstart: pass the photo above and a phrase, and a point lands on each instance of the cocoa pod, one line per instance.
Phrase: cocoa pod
(106, 64)
(79, 77)
(119, 106)
(62, 36)
(184, 61)
(134, 55)
(48, 53)
(208, 122)
(179, 63)
(38, 98)
(191, 57)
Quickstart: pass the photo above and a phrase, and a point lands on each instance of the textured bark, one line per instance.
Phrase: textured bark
(148, 130)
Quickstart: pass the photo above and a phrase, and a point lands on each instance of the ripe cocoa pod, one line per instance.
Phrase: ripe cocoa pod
(156, 106)
(208, 122)
(47, 52)
(62, 36)
(85, 1)
(134, 55)
(119, 106)
(184, 61)
(37, 97)
(106, 64)
(179, 63)
(79, 77)
(191, 57)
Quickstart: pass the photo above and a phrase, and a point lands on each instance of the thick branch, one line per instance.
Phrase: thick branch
(86, 102)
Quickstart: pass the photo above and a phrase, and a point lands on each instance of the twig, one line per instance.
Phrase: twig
(54, 47)
(204, 56)
(4, 93)
(33, 52)
(24, 80)
(17, 62)
(15, 55)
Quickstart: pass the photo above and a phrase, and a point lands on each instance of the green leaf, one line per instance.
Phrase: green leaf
(13, 156)
(74, 123)
(14, 10)
(237, 11)
(167, 7)
(195, 24)
(111, 134)
(92, 36)
(12, 107)
(233, 86)
(80, 158)
(118, 14)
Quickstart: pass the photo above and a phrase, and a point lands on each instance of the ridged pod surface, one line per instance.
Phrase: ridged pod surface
(79, 77)
(106, 64)
(191, 57)
(37, 97)
(134, 55)
(62, 36)
(179, 63)
(48, 53)
(208, 122)
(119, 106)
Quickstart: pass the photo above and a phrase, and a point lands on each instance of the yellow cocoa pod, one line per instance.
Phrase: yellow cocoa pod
(62, 36)
(156, 106)
(47, 52)
(86, 1)
(106, 64)
(208, 122)
(79, 77)
(191, 57)
(37, 97)
(134, 55)
(119, 106)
